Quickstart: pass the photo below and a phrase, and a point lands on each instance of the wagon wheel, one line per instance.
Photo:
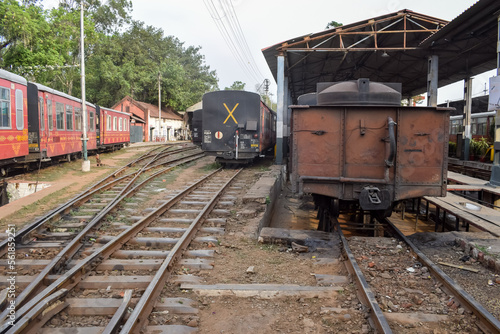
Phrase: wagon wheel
(325, 223)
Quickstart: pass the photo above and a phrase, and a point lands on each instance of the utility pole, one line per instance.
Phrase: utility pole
(159, 105)
(86, 162)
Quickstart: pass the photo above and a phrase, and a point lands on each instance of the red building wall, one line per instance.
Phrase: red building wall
(126, 105)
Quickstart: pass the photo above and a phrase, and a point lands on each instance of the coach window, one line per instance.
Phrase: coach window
(19, 110)
(42, 113)
(108, 126)
(78, 119)
(59, 116)
(4, 108)
(455, 126)
(69, 117)
(50, 114)
(120, 124)
(481, 126)
(91, 121)
(114, 123)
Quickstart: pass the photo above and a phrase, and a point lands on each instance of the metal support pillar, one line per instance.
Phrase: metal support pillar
(281, 109)
(467, 116)
(286, 121)
(86, 161)
(432, 80)
(495, 169)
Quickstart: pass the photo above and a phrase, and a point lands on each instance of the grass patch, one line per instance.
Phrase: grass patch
(27, 210)
(212, 166)
(269, 247)
(485, 250)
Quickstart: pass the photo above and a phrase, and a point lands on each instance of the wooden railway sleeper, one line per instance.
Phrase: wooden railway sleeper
(71, 249)
(74, 275)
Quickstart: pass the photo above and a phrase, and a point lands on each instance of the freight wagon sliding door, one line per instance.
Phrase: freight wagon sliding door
(135, 134)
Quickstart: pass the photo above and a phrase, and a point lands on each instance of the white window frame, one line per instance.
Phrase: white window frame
(9, 126)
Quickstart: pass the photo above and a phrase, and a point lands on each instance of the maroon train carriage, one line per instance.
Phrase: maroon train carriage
(113, 130)
(40, 124)
(358, 147)
(237, 126)
(13, 120)
(56, 124)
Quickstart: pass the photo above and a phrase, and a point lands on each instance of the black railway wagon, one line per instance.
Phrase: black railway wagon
(197, 127)
(237, 126)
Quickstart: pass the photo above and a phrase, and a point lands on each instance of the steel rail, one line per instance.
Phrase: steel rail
(23, 234)
(48, 306)
(62, 209)
(76, 201)
(71, 278)
(376, 315)
(491, 323)
(138, 319)
(130, 164)
(74, 246)
(157, 156)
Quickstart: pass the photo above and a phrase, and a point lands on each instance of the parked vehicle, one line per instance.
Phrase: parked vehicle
(357, 148)
(40, 124)
(237, 126)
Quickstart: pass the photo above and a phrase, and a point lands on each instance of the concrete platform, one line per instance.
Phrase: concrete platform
(262, 191)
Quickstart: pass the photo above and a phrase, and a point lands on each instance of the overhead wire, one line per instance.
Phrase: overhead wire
(240, 36)
(228, 25)
(223, 31)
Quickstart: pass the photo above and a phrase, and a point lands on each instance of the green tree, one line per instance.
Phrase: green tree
(237, 85)
(129, 63)
(122, 57)
(108, 16)
(333, 24)
(25, 36)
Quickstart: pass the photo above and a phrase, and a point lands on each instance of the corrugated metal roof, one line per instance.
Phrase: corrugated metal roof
(368, 49)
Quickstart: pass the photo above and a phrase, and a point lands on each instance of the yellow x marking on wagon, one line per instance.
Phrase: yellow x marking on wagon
(231, 113)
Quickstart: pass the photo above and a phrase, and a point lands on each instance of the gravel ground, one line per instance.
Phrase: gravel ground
(481, 285)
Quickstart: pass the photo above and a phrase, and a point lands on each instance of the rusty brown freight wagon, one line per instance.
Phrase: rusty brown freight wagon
(358, 145)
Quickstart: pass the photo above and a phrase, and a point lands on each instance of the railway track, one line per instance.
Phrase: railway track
(209, 288)
(406, 292)
(471, 168)
(166, 229)
(63, 233)
(95, 197)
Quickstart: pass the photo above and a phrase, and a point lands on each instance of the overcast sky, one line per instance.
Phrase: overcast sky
(268, 22)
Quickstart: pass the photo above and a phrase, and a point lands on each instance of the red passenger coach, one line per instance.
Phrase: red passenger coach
(56, 124)
(39, 124)
(13, 118)
(114, 129)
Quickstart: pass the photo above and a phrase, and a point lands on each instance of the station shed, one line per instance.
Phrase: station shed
(155, 128)
(419, 51)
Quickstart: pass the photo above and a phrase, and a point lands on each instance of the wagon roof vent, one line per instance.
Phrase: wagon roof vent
(359, 92)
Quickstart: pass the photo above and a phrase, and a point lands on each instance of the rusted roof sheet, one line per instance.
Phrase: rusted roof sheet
(166, 113)
(467, 45)
(387, 48)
